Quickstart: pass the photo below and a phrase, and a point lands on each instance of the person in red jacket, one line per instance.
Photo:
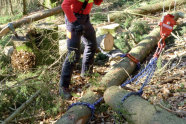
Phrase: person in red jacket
(78, 27)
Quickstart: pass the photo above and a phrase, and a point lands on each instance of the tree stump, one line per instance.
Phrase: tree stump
(23, 57)
(110, 28)
(106, 42)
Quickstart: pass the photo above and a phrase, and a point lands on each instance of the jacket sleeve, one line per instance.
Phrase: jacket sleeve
(66, 6)
(98, 2)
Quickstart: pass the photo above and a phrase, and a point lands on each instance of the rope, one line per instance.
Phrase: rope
(92, 106)
(132, 58)
(148, 72)
(88, 105)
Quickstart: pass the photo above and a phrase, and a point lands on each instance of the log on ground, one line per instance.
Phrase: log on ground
(116, 76)
(137, 110)
(4, 29)
(147, 9)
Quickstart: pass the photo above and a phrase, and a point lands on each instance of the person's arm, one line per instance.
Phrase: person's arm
(98, 2)
(66, 6)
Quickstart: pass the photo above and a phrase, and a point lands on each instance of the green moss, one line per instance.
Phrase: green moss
(24, 48)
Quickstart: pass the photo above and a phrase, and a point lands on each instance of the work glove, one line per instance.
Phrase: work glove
(78, 28)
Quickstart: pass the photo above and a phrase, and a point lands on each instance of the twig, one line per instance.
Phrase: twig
(170, 61)
(21, 108)
(173, 77)
(177, 63)
(177, 47)
(132, 36)
(38, 117)
(55, 62)
(42, 5)
(24, 80)
(178, 112)
(176, 37)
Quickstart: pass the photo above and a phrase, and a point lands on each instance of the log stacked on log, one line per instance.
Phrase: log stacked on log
(115, 76)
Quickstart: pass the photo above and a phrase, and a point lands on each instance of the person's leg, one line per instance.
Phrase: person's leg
(89, 39)
(73, 56)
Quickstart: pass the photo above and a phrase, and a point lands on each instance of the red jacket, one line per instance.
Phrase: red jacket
(74, 6)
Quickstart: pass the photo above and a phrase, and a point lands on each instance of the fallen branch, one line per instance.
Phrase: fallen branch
(164, 68)
(21, 108)
(178, 112)
(147, 9)
(4, 29)
(171, 78)
(115, 76)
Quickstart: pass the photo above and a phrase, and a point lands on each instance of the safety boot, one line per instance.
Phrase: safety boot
(65, 93)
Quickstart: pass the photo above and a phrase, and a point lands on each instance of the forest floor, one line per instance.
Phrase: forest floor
(167, 88)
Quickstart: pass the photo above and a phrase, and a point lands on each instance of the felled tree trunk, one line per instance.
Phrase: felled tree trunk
(79, 114)
(137, 110)
(115, 76)
(148, 8)
(31, 18)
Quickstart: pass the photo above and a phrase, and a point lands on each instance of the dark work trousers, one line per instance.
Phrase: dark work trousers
(73, 45)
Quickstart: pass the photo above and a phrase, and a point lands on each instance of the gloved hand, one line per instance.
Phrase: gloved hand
(78, 28)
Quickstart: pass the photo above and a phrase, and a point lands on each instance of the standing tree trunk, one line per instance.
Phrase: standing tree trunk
(24, 7)
(11, 8)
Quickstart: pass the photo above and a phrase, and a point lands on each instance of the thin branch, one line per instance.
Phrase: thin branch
(21, 108)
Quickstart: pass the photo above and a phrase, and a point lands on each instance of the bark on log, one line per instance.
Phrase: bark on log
(31, 18)
(137, 110)
(21, 108)
(115, 76)
(147, 9)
